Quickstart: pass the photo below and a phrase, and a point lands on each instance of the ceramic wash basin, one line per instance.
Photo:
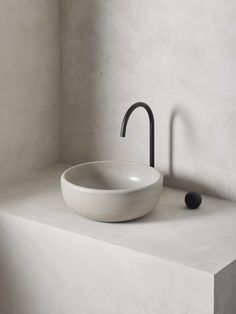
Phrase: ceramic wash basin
(111, 191)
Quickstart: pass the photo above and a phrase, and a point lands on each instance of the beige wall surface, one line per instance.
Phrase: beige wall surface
(179, 57)
(29, 85)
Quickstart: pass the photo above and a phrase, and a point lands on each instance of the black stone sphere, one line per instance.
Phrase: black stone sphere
(193, 200)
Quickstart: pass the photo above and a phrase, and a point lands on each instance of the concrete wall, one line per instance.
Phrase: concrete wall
(29, 85)
(179, 57)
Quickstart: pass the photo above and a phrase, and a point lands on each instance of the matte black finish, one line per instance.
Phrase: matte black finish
(193, 200)
(151, 127)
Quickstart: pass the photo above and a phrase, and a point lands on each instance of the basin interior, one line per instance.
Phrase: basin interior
(112, 175)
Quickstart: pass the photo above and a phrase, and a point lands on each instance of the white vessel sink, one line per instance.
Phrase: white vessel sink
(111, 191)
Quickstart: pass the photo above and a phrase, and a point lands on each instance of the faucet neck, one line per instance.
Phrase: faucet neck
(151, 128)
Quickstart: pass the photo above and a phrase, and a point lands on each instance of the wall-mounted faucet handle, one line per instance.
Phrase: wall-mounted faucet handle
(151, 127)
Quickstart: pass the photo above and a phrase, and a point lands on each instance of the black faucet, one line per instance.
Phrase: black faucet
(151, 127)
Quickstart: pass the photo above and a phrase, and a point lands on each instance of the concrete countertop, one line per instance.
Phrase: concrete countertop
(204, 239)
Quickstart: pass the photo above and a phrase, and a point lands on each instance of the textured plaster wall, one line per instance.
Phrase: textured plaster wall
(179, 57)
(29, 85)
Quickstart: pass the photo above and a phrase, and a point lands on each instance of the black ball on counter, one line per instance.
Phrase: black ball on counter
(193, 200)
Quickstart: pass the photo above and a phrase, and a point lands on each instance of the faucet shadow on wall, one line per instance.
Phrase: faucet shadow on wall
(175, 180)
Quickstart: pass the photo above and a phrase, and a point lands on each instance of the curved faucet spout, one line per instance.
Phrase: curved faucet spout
(151, 127)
